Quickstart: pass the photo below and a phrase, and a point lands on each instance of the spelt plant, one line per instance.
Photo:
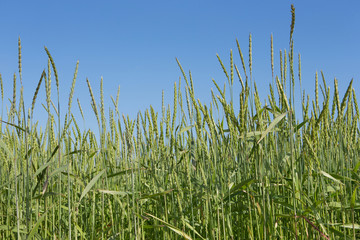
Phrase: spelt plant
(209, 172)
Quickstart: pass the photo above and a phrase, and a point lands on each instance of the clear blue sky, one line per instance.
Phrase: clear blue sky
(134, 44)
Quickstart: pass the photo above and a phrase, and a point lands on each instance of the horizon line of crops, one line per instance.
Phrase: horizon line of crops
(257, 172)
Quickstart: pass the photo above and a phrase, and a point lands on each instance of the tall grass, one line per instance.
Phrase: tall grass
(196, 171)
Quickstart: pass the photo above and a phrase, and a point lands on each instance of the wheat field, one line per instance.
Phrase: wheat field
(264, 170)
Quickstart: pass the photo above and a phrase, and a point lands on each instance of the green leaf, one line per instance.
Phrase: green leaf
(193, 229)
(335, 205)
(34, 229)
(157, 194)
(114, 192)
(16, 126)
(185, 129)
(91, 184)
(338, 233)
(331, 177)
(171, 227)
(300, 125)
(272, 125)
(350, 225)
(40, 169)
(56, 171)
(242, 185)
(125, 172)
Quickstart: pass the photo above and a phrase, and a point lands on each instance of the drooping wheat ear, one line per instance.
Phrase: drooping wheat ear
(250, 55)
(219, 89)
(13, 104)
(54, 68)
(272, 56)
(19, 59)
(345, 98)
(182, 71)
(56, 110)
(239, 76)
(36, 93)
(323, 78)
(93, 102)
(241, 57)
(73, 86)
(292, 22)
(223, 67)
(81, 111)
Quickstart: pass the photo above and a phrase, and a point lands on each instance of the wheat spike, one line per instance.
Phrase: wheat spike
(241, 57)
(81, 111)
(223, 68)
(36, 93)
(168, 116)
(182, 71)
(2, 88)
(272, 56)
(19, 59)
(48, 86)
(93, 102)
(239, 76)
(346, 96)
(316, 92)
(13, 103)
(154, 121)
(21, 101)
(54, 67)
(299, 62)
(250, 55)
(355, 103)
(337, 97)
(231, 68)
(292, 26)
(73, 86)
(102, 106)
